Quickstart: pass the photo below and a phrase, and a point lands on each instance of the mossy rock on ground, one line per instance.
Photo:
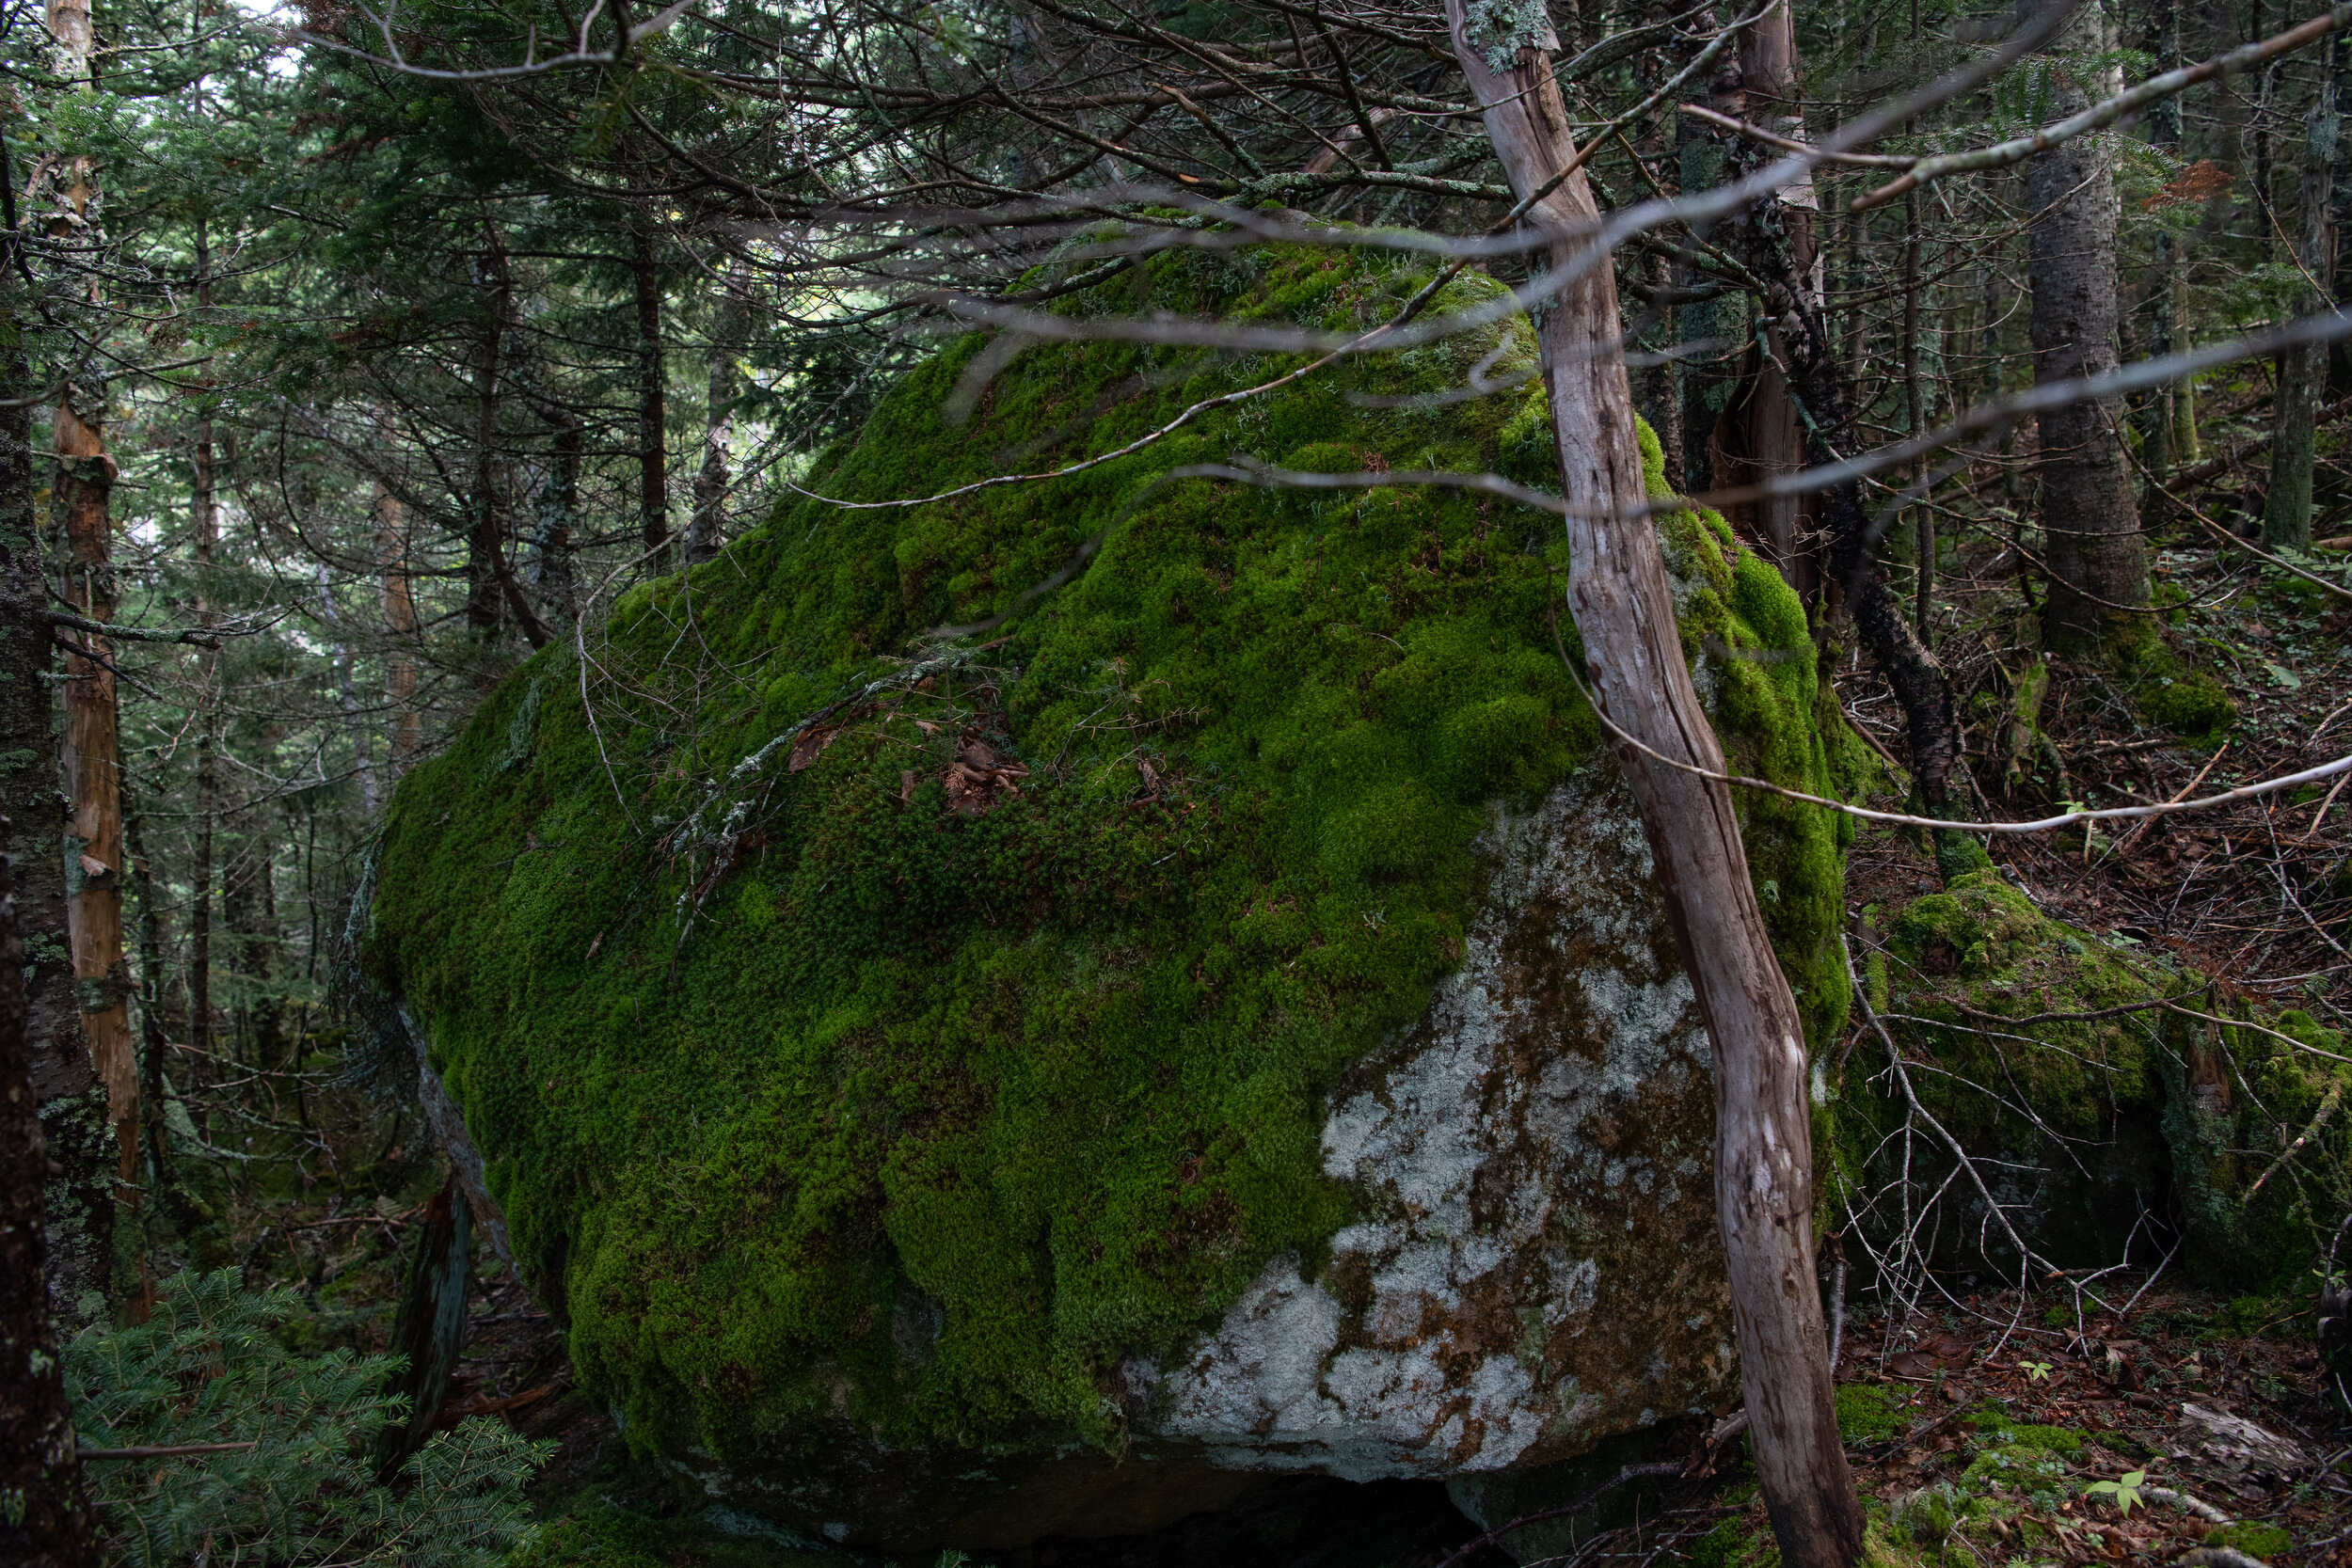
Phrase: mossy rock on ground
(2092, 1109)
(956, 1087)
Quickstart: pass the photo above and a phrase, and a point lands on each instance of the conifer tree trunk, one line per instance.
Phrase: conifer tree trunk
(78, 1193)
(1624, 620)
(486, 530)
(2090, 526)
(400, 630)
(155, 1040)
(205, 520)
(45, 1521)
(703, 534)
(1772, 432)
(2303, 368)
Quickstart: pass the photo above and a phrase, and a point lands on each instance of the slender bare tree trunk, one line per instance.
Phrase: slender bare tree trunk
(2089, 523)
(702, 534)
(1624, 614)
(154, 1039)
(557, 504)
(2303, 370)
(400, 628)
(1774, 430)
(653, 481)
(486, 525)
(362, 753)
(204, 515)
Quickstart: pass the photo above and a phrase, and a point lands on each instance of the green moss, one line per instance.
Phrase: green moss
(595, 1536)
(2253, 1537)
(2195, 705)
(1867, 1413)
(2161, 1097)
(808, 1094)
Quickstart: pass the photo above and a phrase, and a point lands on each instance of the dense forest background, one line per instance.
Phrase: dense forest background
(350, 357)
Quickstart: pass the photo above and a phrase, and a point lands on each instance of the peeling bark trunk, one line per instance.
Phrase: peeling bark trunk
(2091, 526)
(1625, 619)
(72, 1105)
(93, 768)
(46, 1523)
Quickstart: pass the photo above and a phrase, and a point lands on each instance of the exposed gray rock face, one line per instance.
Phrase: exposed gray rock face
(1536, 1265)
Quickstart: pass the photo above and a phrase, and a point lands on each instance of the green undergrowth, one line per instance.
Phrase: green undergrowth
(819, 1083)
(2066, 1058)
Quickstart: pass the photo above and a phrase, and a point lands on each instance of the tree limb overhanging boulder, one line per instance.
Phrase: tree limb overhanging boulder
(1222, 1024)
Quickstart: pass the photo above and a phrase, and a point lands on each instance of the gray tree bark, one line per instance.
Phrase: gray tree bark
(2091, 524)
(1623, 613)
(2303, 370)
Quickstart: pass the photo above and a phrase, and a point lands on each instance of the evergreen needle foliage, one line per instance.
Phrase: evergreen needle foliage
(208, 1368)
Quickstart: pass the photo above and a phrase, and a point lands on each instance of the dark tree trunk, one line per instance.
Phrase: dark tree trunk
(430, 1328)
(2090, 526)
(1624, 620)
(2303, 370)
(485, 524)
(46, 1521)
(80, 1204)
(653, 480)
(1854, 584)
(1771, 433)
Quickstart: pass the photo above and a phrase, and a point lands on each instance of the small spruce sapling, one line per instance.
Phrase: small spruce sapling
(208, 1368)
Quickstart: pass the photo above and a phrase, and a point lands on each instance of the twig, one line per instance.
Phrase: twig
(165, 1451)
(2182, 1500)
(2130, 837)
(2002, 156)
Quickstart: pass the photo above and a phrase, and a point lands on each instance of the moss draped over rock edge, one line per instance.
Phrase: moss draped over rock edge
(2085, 1123)
(879, 1078)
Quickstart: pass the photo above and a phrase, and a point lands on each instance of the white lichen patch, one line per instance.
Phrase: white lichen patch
(1535, 1219)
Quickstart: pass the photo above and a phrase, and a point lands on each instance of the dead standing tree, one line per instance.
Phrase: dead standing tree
(1624, 611)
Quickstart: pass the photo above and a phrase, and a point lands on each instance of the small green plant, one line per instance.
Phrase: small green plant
(2125, 1491)
(2036, 1371)
(208, 1368)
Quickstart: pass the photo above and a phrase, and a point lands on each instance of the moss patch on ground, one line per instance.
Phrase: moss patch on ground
(872, 1024)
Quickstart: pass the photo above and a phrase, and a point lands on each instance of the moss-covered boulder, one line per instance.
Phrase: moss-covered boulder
(2111, 1096)
(1003, 1016)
